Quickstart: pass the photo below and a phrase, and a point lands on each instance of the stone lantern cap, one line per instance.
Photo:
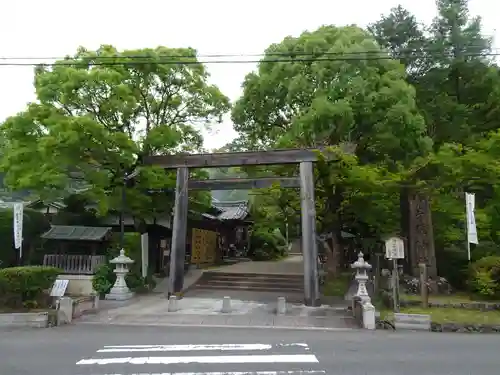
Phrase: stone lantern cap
(121, 259)
(360, 263)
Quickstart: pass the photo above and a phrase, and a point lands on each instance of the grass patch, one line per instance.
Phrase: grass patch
(450, 315)
(337, 286)
(449, 299)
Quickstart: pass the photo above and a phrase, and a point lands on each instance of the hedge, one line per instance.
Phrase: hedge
(26, 287)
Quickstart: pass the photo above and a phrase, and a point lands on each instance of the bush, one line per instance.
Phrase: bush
(267, 245)
(103, 279)
(484, 279)
(26, 286)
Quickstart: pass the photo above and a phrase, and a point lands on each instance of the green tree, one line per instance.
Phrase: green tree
(457, 90)
(98, 113)
(455, 83)
(333, 100)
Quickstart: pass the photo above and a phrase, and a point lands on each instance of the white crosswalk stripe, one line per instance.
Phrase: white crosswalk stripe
(213, 359)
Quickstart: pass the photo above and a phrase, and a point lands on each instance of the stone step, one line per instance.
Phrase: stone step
(252, 275)
(254, 288)
(250, 285)
(279, 282)
(251, 281)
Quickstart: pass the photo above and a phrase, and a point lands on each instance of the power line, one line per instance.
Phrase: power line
(291, 54)
(170, 61)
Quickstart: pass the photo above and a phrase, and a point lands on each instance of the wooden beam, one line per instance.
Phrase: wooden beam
(230, 159)
(244, 183)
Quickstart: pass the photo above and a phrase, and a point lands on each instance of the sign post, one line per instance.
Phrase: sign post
(394, 250)
(58, 290)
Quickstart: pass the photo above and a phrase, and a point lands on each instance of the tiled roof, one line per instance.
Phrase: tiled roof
(235, 210)
(76, 233)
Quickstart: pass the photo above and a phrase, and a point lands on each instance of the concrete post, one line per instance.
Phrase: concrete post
(179, 231)
(226, 305)
(309, 245)
(172, 303)
(368, 315)
(281, 307)
(65, 311)
(424, 292)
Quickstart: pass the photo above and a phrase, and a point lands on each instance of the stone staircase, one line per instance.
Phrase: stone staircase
(251, 282)
(294, 247)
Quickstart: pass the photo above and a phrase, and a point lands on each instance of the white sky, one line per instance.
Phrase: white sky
(57, 27)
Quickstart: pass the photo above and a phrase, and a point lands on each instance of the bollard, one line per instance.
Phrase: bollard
(65, 311)
(226, 305)
(281, 309)
(172, 303)
(95, 301)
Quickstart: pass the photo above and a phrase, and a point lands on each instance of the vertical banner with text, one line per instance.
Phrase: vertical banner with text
(18, 227)
(471, 221)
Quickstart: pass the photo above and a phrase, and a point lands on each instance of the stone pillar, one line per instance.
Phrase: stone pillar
(120, 291)
(420, 234)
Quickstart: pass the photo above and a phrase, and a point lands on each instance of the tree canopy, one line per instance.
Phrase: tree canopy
(98, 113)
(332, 98)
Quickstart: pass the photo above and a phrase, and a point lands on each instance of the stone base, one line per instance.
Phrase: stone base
(119, 296)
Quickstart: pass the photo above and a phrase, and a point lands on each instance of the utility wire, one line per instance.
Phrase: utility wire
(291, 54)
(94, 61)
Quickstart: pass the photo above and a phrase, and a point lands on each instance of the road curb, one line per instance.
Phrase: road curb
(331, 329)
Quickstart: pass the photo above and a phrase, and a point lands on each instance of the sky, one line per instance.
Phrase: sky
(54, 28)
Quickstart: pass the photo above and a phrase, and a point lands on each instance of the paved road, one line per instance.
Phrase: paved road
(96, 350)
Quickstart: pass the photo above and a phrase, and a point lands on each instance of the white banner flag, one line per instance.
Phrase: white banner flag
(471, 219)
(18, 226)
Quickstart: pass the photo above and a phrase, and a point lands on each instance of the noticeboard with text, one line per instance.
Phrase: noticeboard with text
(394, 248)
(59, 288)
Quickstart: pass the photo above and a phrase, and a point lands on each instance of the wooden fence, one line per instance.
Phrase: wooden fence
(74, 264)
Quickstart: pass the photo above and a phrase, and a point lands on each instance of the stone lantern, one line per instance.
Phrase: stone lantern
(361, 302)
(120, 291)
(361, 277)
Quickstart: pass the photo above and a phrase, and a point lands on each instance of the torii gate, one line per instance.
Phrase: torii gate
(304, 157)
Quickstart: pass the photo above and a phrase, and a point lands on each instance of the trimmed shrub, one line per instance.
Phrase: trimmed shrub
(484, 279)
(26, 286)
